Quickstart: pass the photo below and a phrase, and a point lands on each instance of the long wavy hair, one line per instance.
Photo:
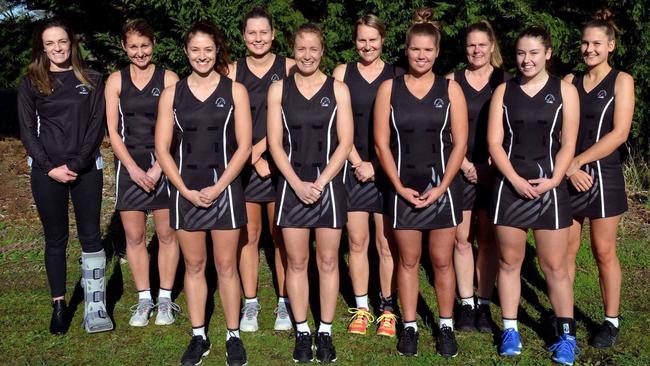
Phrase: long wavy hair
(209, 28)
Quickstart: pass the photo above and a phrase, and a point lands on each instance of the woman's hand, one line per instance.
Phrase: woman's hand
(364, 171)
(429, 197)
(154, 173)
(210, 194)
(197, 198)
(410, 195)
(262, 168)
(141, 178)
(308, 192)
(469, 171)
(573, 167)
(524, 188)
(542, 185)
(62, 174)
(581, 180)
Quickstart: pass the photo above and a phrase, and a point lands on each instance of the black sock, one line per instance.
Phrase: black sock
(566, 326)
(386, 303)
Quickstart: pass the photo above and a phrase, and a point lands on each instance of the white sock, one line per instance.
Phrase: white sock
(362, 301)
(614, 321)
(283, 300)
(325, 328)
(413, 325)
(468, 301)
(232, 333)
(449, 322)
(303, 327)
(165, 293)
(198, 331)
(144, 294)
(251, 300)
(510, 324)
(482, 301)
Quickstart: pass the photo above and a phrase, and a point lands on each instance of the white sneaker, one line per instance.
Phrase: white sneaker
(282, 319)
(166, 311)
(142, 311)
(248, 322)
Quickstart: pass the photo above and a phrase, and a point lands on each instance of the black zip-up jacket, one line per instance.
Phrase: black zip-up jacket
(65, 127)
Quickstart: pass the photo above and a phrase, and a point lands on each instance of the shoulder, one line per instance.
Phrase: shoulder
(386, 86)
(339, 72)
(114, 81)
(623, 79)
(276, 87)
(340, 89)
(568, 89)
(170, 78)
(290, 65)
(569, 77)
(239, 88)
(451, 76)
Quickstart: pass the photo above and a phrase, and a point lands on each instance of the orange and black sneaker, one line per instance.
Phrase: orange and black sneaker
(387, 324)
(359, 321)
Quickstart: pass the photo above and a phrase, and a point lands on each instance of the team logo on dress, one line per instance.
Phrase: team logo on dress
(325, 102)
(602, 94)
(83, 90)
(220, 102)
(550, 99)
(155, 92)
(438, 103)
(275, 78)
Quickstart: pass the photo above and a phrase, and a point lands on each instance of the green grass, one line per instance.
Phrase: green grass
(25, 311)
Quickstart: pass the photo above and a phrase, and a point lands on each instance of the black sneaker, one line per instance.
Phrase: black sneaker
(446, 342)
(484, 322)
(235, 352)
(302, 352)
(325, 351)
(466, 319)
(58, 321)
(605, 336)
(197, 349)
(408, 342)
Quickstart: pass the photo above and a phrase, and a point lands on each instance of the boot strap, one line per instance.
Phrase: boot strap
(92, 274)
(95, 296)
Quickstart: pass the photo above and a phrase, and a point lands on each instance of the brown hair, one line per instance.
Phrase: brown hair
(138, 26)
(207, 27)
(484, 26)
(536, 32)
(423, 24)
(308, 28)
(254, 13)
(39, 67)
(372, 21)
(604, 19)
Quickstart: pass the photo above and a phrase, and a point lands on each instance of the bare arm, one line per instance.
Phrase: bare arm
(232, 70)
(344, 131)
(164, 135)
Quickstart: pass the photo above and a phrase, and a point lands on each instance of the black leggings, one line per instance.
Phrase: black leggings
(51, 199)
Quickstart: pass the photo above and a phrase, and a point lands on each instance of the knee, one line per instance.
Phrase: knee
(510, 264)
(358, 243)
(136, 238)
(409, 264)
(195, 267)
(166, 237)
(297, 264)
(442, 264)
(383, 248)
(253, 233)
(554, 270)
(226, 267)
(605, 254)
(327, 264)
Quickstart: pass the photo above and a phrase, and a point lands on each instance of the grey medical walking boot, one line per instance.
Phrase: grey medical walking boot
(93, 280)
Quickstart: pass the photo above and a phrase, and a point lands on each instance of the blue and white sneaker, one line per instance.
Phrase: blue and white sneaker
(565, 350)
(510, 343)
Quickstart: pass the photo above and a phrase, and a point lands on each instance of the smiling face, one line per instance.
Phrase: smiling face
(307, 51)
(258, 36)
(56, 45)
(478, 49)
(201, 52)
(138, 48)
(421, 53)
(532, 56)
(595, 46)
(369, 43)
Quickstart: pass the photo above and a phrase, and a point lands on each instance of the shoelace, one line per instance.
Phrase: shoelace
(142, 307)
(467, 310)
(358, 314)
(387, 318)
(250, 310)
(446, 333)
(236, 344)
(324, 340)
(282, 311)
(564, 345)
(167, 306)
(304, 340)
(409, 335)
(509, 336)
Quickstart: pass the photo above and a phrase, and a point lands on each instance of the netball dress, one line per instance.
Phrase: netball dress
(421, 145)
(366, 196)
(138, 111)
(606, 197)
(257, 189)
(309, 140)
(532, 127)
(207, 143)
(478, 108)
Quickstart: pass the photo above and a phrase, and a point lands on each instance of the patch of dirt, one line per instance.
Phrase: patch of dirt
(16, 202)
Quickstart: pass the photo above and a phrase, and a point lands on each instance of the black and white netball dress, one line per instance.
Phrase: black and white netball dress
(309, 140)
(478, 108)
(366, 196)
(138, 110)
(531, 139)
(207, 142)
(257, 189)
(607, 194)
(421, 144)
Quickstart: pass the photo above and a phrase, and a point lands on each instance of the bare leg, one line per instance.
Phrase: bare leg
(195, 256)
(552, 253)
(574, 245)
(168, 252)
(225, 260)
(487, 260)
(463, 256)
(296, 241)
(410, 250)
(441, 251)
(327, 258)
(385, 248)
(249, 256)
(603, 245)
(512, 249)
(280, 252)
(358, 238)
(136, 247)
